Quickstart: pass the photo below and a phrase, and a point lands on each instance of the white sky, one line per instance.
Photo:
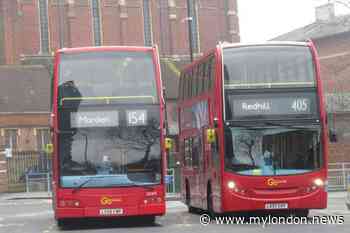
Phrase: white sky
(265, 19)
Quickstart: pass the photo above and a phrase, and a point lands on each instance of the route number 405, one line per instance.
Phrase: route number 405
(300, 105)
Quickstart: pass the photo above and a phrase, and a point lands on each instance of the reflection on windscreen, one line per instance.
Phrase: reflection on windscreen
(272, 151)
(268, 66)
(120, 155)
(108, 74)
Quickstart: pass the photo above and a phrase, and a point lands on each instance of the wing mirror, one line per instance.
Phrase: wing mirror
(169, 143)
(49, 148)
(211, 136)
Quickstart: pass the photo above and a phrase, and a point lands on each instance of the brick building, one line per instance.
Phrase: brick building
(331, 35)
(35, 28)
(30, 27)
(24, 107)
(30, 30)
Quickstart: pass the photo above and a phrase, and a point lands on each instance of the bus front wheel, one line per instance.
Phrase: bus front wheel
(188, 199)
(302, 213)
(62, 223)
(210, 201)
(149, 219)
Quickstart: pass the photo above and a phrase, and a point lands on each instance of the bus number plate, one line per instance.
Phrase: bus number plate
(111, 212)
(272, 206)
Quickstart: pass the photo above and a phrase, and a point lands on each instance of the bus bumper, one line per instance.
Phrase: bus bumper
(95, 212)
(234, 202)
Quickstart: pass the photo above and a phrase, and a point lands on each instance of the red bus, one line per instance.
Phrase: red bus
(108, 130)
(253, 133)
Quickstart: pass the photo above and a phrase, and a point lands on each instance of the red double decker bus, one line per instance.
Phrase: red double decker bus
(108, 131)
(253, 133)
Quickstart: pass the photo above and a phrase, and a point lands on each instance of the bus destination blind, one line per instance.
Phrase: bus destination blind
(271, 105)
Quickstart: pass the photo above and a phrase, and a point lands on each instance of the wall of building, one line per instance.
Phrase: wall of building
(24, 120)
(2, 33)
(26, 126)
(339, 151)
(334, 54)
(122, 23)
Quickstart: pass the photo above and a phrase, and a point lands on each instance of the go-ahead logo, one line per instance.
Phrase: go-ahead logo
(109, 200)
(275, 182)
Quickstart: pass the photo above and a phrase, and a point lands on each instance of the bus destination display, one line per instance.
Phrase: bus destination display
(255, 105)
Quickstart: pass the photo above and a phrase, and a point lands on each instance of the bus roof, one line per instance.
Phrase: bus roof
(224, 45)
(231, 45)
(105, 48)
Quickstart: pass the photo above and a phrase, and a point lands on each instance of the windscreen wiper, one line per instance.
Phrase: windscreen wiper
(285, 125)
(145, 186)
(237, 124)
(76, 189)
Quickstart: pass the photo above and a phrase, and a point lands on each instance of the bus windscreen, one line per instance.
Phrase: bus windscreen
(266, 151)
(109, 76)
(267, 66)
(108, 119)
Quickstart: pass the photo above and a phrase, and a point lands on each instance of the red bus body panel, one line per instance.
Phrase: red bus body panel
(130, 199)
(254, 192)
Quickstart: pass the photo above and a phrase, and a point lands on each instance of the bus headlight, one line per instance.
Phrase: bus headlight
(231, 185)
(319, 182)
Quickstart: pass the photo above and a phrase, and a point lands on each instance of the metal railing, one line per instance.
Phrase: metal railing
(170, 180)
(39, 181)
(24, 169)
(338, 174)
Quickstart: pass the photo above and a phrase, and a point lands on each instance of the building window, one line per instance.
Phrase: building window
(147, 23)
(11, 138)
(44, 27)
(192, 5)
(96, 22)
(42, 138)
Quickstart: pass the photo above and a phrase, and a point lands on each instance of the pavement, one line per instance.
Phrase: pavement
(32, 213)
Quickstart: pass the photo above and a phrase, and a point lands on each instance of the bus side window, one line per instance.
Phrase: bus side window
(196, 88)
(190, 83)
(212, 72)
(195, 82)
(215, 152)
(200, 78)
(188, 86)
(196, 151)
(188, 152)
(182, 87)
(204, 77)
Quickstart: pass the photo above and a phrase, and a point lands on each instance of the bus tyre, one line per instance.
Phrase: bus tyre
(188, 199)
(302, 213)
(210, 202)
(149, 219)
(61, 223)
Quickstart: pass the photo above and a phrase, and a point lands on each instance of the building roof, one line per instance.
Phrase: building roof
(318, 29)
(24, 89)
